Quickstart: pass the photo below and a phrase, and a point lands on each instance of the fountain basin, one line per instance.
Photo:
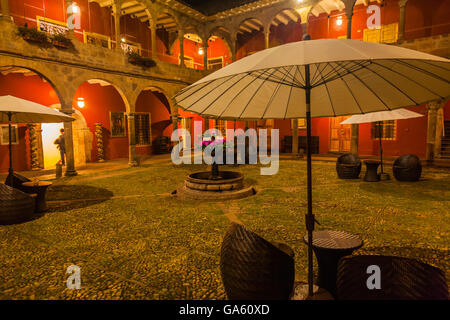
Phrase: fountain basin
(202, 186)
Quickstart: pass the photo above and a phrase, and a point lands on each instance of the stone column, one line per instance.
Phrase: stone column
(68, 136)
(304, 29)
(349, 15)
(401, 24)
(131, 140)
(205, 55)
(5, 10)
(175, 120)
(294, 136)
(153, 35)
(233, 46)
(181, 39)
(117, 29)
(267, 37)
(439, 131)
(40, 146)
(432, 108)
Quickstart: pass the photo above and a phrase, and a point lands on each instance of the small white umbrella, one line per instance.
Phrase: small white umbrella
(318, 78)
(398, 114)
(13, 109)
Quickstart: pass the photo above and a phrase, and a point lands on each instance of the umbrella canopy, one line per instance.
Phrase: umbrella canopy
(13, 109)
(346, 77)
(24, 111)
(380, 116)
(397, 114)
(318, 78)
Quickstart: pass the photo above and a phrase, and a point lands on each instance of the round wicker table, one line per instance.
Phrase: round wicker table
(371, 172)
(329, 246)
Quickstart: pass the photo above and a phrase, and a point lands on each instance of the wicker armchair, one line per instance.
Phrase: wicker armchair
(407, 168)
(348, 166)
(15, 205)
(255, 269)
(400, 279)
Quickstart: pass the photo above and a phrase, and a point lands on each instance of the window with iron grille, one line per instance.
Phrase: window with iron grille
(143, 129)
(222, 126)
(387, 129)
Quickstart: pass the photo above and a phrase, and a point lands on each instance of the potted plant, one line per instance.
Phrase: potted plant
(60, 40)
(33, 35)
(136, 59)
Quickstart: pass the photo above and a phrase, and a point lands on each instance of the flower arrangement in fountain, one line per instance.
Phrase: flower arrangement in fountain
(215, 142)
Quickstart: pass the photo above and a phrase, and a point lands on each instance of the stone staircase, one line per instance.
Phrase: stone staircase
(445, 149)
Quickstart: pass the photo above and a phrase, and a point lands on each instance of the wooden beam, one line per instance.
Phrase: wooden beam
(291, 15)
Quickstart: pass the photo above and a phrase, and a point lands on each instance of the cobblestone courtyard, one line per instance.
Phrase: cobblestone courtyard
(133, 239)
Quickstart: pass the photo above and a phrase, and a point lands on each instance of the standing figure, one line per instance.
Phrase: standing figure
(61, 145)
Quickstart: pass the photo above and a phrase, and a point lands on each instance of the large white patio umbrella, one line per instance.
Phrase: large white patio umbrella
(13, 109)
(380, 116)
(318, 78)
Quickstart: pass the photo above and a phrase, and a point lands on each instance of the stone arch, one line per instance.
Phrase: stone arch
(167, 27)
(123, 93)
(154, 88)
(250, 25)
(225, 35)
(283, 18)
(155, 101)
(42, 74)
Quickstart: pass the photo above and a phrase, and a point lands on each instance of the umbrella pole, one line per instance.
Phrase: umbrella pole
(381, 147)
(10, 175)
(309, 218)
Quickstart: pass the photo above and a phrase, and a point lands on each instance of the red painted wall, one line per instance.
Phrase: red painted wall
(30, 88)
(99, 101)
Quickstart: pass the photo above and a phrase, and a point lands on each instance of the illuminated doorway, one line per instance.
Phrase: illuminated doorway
(50, 132)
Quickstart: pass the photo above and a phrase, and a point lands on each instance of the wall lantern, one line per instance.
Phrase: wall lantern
(80, 103)
(200, 51)
(339, 21)
(123, 40)
(299, 1)
(75, 8)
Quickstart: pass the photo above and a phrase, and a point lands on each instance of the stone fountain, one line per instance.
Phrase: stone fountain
(214, 185)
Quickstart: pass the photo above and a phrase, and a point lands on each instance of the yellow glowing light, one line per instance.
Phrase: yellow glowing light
(200, 51)
(299, 1)
(339, 21)
(80, 103)
(123, 39)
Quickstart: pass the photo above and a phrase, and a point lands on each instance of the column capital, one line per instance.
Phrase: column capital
(435, 105)
(402, 3)
(131, 115)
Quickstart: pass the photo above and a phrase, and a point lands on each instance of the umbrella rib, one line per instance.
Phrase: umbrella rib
(408, 78)
(187, 88)
(290, 94)
(192, 104)
(240, 91)
(304, 81)
(424, 71)
(254, 94)
(329, 96)
(370, 89)
(316, 73)
(347, 71)
(393, 85)
(434, 65)
(221, 94)
(349, 89)
(274, 93)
